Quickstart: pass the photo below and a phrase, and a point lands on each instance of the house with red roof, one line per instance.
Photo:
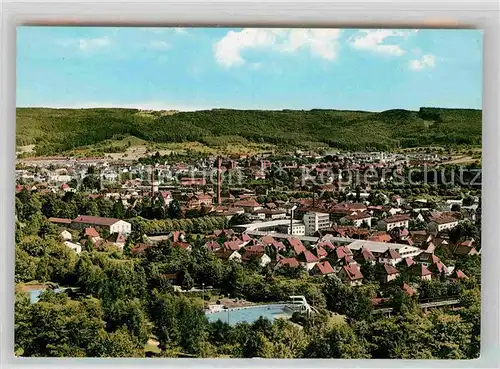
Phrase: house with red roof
(212, 245)
(112, 225)
(408, 262)
(351, 274)
(321, 253)
(366, 256)
(458, 274)
(407, 289)
(91, 232)
(228, 255)
(357, 219)
(420, 271)
(389, 273)
(140, 248)
(380, 237)
(256, 253)
(234, 245)
(296, 245)
(117, 239)
(441, 223)
(390, 256)
(182, 245)
(307, 259)
(248, 205)
(399, 220)
(287, 263)
(322, 268)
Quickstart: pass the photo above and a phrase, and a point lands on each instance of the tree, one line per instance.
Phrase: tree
(452, 336)
(26, 266)
(174, 209)
(336, 341)
(355, 303)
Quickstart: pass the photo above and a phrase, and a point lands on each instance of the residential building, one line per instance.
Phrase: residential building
(322, 268)
(400, 220)
(439, 224)
(110, 224)
(351, 274)
(389, 273)
(315, 221)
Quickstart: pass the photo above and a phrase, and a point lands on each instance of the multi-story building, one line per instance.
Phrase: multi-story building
(315, 221)
(112, 225)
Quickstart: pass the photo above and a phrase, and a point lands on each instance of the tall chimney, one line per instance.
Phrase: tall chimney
(152, 181)
(218, 181)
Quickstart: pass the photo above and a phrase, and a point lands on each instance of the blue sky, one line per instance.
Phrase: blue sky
(204, 68)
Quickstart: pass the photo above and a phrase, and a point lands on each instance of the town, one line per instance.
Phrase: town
(377, 223)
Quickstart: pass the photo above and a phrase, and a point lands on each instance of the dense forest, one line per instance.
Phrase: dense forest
(59, 130)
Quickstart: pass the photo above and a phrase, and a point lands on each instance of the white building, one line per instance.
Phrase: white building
(394, 221)
(315, 221)
(442, 224)
(65, 235)
(110, 224)
(74, 246)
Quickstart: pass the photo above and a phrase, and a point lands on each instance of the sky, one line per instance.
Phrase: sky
(248, 68)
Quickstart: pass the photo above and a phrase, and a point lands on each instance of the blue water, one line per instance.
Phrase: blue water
(35, 294)
(248, 314)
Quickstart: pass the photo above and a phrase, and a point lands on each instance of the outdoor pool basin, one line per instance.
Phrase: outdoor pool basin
(249, 314)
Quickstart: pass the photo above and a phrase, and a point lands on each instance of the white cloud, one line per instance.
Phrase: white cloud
(86, 44)
(427, 61)
(379, 41)
(156, 44)
(321, 42)
(91, 43)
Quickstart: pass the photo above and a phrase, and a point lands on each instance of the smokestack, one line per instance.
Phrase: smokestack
(152, 181)
(218, 181)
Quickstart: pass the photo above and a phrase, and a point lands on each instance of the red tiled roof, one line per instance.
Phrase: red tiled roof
(321, 252)
(342, 251)
(443, 220)
(117, 238)
(297, 245)
(352, 272)
(233, 245)
(391, 254)
(224, 254)
(88, 219)
(268, 240)
(182, 245)
(140, 247)
(324, 267)
(460, 275)
(59, 220)
(308, 256)
(380, 238)
(389, 269)
(419, 270)
(408, 261)
(212, 245)
(91, 232)
(406, 288)
(367, 254)
(289, 262)
(247, 203)
(397, 218)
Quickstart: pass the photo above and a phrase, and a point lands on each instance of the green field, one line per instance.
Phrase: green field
(115, 130)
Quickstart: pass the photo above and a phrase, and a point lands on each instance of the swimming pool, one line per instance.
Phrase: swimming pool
(249, 314)
(35, 294)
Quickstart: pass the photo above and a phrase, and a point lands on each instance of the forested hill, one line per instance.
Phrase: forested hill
(57, 130)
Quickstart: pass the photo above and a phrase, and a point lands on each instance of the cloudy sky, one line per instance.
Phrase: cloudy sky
(203, 68)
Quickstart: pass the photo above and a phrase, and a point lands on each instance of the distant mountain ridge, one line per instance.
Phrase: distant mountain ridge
(59, 130)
